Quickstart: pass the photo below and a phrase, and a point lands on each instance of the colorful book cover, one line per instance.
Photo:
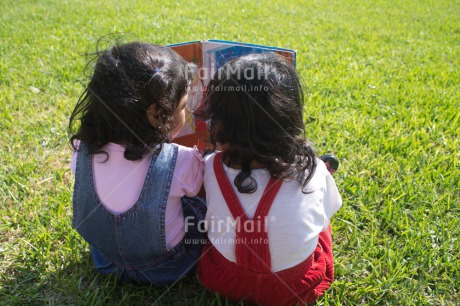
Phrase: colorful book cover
(205, 57)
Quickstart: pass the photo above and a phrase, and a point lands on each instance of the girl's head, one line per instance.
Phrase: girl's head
(136, 97)
(254, 105)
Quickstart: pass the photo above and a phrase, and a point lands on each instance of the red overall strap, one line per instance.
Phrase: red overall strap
(251, 246)
(226, 189)
(268, 197)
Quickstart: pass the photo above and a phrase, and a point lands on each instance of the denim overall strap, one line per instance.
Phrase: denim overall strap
(252, 252)
(135, 239)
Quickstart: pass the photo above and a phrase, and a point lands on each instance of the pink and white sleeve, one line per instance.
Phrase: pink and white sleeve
(188, 173)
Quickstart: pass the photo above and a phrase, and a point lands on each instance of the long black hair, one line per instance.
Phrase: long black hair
(254, 106)
(126, 81)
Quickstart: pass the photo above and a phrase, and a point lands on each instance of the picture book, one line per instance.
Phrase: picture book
(204, 58)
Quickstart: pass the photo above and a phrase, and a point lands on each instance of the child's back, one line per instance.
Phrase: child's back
(132, 187)
(269, 239)
(119, 182)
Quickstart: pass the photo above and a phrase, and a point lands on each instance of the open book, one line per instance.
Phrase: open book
(205, 57)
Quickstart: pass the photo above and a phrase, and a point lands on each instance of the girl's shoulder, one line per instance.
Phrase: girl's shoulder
(321, 168)
(209, 158)
(323, 180)
(188, 172)
(209, 165)
(321, 177)
(187, 155)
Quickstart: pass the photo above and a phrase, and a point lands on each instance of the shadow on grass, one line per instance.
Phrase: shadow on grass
(78, 283)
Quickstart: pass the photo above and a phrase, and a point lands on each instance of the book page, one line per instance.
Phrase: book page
(189, 134)
(217, 53)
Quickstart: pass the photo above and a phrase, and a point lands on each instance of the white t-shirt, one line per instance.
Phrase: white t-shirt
(293, 222)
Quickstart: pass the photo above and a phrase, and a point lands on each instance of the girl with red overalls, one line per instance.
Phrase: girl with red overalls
(269, 198)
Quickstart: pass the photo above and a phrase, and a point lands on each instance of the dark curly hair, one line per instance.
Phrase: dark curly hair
(254, 106)
(127, 80)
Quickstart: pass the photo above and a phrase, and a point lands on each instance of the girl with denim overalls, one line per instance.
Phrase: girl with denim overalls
(133, 188)
(269, 198)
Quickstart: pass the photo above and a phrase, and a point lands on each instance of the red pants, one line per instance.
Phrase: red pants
(303, 283)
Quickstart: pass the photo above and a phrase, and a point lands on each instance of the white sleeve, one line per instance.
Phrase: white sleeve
(332, 200)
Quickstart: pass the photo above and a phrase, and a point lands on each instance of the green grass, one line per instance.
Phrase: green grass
(382, 91)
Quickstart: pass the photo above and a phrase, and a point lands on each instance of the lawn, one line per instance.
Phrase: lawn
(382, 92)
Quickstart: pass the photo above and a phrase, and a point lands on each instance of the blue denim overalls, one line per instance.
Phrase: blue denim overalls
(133, 244)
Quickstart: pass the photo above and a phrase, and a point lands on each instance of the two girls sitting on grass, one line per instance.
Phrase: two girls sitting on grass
(269, 199)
